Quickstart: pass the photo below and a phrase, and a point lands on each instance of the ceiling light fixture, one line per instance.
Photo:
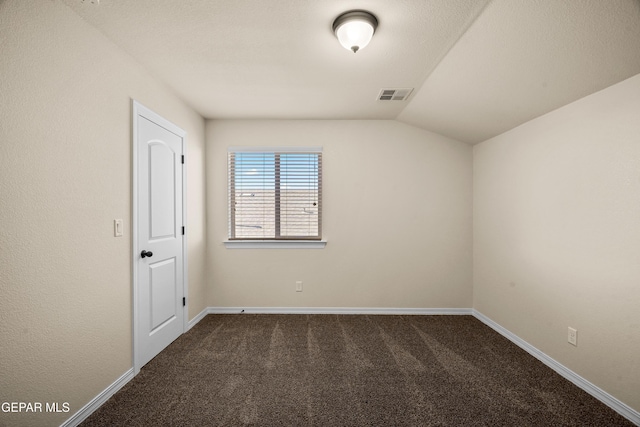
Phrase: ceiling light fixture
(354, 29)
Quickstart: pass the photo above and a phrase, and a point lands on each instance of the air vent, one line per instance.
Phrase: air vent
(395, 94)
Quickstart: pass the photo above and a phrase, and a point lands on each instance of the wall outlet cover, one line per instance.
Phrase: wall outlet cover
(572, 337)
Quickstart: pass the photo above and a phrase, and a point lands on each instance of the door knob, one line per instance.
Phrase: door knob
(144, 254)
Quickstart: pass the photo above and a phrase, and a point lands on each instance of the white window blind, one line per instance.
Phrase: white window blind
(275, 194)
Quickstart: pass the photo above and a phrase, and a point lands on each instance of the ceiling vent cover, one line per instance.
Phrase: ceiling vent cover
(399, 94)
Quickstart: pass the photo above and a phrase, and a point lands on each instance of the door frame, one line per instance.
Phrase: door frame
(140, 110)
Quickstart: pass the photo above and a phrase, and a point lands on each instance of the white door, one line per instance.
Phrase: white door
(159, 263)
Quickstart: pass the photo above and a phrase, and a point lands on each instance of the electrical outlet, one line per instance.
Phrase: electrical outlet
(573, 336)
(298, 286)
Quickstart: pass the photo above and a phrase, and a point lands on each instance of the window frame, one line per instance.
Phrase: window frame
(277, 241)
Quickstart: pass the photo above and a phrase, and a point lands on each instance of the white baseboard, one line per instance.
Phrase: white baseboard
(193, 322)
(97, 401)
(595, 391)
(340, 310)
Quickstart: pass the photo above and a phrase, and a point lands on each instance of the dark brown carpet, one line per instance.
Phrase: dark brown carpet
(342, 370)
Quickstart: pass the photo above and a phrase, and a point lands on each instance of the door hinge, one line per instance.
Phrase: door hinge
(183, 159)
(183, 230)
(184, 301)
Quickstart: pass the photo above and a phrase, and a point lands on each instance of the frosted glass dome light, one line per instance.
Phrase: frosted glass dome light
(355, 29)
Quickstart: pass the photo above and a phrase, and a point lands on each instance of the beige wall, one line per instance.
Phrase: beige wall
(396, 216)
(557, 235)
(65, 174)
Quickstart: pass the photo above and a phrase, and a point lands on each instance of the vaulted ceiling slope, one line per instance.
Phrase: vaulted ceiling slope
(479, 67)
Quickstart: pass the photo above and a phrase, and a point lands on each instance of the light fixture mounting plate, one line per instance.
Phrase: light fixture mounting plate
(352, 14)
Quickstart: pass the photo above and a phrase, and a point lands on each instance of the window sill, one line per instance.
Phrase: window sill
(275, 244)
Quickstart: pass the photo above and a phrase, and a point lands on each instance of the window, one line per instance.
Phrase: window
(275, 194)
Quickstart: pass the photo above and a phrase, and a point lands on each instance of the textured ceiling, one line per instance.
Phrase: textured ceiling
(524, 58)
(478, 67)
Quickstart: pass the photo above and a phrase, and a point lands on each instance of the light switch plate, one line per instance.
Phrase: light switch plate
(117, 228)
